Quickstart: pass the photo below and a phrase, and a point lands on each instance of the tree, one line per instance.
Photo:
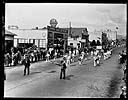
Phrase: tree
(93, 43)
(98, 43)
(104, 40)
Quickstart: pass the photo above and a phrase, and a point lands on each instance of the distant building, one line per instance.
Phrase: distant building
(78, 37)
(98, 34)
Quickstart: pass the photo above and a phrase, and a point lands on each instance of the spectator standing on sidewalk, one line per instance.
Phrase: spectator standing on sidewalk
(38, 55)
(41, 56)
(123, 92)
(12, 58)
(7, 59)
(19, 57)
(15, 59)
(124, 57)
(35, 56)
(26, 63)
(44, 54)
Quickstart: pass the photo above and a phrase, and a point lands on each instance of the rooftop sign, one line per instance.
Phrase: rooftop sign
(57, 29)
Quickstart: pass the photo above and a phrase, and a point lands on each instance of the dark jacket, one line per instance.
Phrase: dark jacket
(63, 65)
(26, 62)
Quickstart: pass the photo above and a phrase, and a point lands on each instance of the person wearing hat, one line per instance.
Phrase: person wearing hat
(63, 65)
(26, 63)
(123, 93)
(63, 68)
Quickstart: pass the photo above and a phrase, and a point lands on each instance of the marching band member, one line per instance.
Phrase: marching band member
(95, 58)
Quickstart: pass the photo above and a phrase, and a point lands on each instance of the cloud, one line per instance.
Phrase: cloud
(103, 10)
(113, 13)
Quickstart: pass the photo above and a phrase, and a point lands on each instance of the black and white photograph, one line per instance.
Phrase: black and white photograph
(65, 50)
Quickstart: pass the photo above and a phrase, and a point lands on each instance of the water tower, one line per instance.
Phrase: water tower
(53, 22)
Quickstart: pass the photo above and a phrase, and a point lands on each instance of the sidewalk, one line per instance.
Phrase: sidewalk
(21, 65)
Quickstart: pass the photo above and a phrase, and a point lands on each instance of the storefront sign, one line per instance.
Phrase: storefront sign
(57, 29)
(98, 47)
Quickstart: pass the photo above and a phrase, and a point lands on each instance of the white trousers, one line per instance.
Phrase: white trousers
(68, 61)
(95, 63)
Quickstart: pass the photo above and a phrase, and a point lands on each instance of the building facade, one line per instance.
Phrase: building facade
(78, 37)
(9, 40)
(49, 37)
(57, 38)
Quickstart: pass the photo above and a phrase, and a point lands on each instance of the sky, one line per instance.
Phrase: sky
(93, 16)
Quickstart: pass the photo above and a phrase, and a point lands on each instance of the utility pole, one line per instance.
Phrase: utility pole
(70, 29)
(116, 34)
(116, 37)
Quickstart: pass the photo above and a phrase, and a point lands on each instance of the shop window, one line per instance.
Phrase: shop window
(58, 35)
(21, 41)
(74, 38)
(78, 43)
(50, 42)
(36, 43)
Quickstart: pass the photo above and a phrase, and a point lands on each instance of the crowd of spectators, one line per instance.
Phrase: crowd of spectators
(16, 58)
(123, 62)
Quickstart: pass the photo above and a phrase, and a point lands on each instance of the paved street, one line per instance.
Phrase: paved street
(81, 81)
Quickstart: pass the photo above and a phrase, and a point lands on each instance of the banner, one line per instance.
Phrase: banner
(98, 47)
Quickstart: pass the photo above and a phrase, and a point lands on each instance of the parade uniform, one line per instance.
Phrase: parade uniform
(47, 56)
(91, 53)
(98, 59)
(68, 59)
(55, 55)
(73, 56)
(95, 58)
(80, 60)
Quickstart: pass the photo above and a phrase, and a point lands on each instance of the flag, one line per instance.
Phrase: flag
(98, 37)
(33, 48)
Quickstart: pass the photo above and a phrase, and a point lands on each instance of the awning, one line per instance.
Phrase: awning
(9, 33)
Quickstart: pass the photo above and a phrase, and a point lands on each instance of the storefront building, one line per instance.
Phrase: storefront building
(78, 37)
(57, 38)
(9, 40)
(48, 37)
